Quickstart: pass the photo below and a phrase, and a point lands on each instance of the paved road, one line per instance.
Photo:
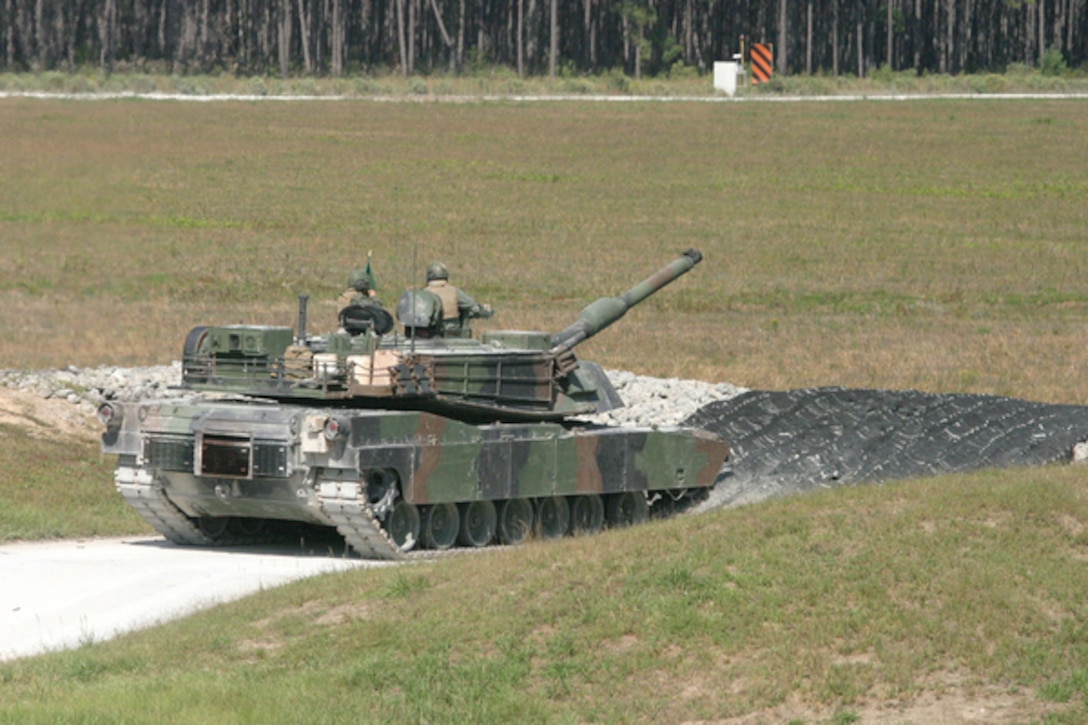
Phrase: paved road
(62, 594)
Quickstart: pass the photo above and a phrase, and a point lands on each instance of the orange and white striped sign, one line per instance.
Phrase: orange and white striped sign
(760, 58)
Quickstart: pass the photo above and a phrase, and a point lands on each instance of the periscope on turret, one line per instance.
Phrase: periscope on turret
(401, 441)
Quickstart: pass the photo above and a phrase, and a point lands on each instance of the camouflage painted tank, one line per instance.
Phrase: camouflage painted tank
(401, 440)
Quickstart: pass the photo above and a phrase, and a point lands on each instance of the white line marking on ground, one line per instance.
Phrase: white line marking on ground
(559, 98)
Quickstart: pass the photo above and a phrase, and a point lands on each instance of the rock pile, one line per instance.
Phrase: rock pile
(650, 401)
(85, 388)
(660, 401)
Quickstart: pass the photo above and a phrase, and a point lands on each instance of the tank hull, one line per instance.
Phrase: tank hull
(207, 472)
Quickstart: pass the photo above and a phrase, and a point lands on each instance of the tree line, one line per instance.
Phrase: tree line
(536, 37)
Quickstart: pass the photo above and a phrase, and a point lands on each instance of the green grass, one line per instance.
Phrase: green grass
(502, 81)
(842, 599)
(56, 487)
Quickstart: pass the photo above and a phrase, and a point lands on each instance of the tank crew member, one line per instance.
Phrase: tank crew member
(457, 307)
(360, 285)
(360, 308)
(420, 312)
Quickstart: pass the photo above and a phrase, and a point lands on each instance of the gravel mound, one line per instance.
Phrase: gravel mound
(790, 441)
(86, 388)
(650, 401)
(660, 401)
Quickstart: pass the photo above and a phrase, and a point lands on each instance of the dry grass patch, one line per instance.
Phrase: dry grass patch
(946, 701)
(928, 245)
(45, 417)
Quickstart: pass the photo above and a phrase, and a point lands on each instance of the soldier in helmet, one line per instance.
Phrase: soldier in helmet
(420, 312)
(360, 308)
(360, 286)
(457, 307)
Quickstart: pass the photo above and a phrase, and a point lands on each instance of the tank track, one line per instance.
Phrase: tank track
(139, 489)
(354, 520)
(146, 496)
(340, 501)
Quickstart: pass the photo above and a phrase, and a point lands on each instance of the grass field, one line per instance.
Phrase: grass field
(929, 245)
(58, 489)
(844, 606)
(502, 81)
(936, 245)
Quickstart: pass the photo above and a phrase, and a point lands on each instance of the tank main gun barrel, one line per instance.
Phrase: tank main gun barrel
(602, 313)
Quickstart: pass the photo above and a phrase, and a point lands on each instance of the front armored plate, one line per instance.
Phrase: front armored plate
(224, 456)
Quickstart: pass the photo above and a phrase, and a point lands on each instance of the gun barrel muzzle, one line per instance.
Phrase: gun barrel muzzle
(607, 310)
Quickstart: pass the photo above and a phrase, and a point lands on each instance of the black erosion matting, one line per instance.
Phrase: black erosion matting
(790, 441)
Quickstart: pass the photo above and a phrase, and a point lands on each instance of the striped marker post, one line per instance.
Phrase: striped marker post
(761, 63)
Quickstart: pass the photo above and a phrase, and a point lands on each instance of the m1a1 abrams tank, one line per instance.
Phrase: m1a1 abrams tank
(403, 440)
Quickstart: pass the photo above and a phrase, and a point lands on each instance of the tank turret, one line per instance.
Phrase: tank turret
(506, 375)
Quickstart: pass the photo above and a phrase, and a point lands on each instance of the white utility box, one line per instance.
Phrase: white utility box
(725, 76)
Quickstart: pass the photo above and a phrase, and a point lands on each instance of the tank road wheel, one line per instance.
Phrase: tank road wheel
(515, 520)
(586, 514)
(381, 490)
(249, 528)
(477, 523)
(403, 525)
(627, 509)
(441, 523)
(214, 527)
(552, 517)
(664, 507)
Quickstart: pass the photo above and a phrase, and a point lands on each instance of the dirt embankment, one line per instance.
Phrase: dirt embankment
(45, 416)
(63, 400)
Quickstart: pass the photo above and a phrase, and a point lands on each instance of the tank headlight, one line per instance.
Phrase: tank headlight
(108, 414)
(335, 428)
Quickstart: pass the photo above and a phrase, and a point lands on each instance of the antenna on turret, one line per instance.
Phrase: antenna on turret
(415, 279)
(302, 319)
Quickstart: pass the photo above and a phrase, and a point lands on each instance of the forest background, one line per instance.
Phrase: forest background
(539, 37)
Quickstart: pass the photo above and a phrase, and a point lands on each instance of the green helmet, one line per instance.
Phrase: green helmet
(437, 270)
(359, 280)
